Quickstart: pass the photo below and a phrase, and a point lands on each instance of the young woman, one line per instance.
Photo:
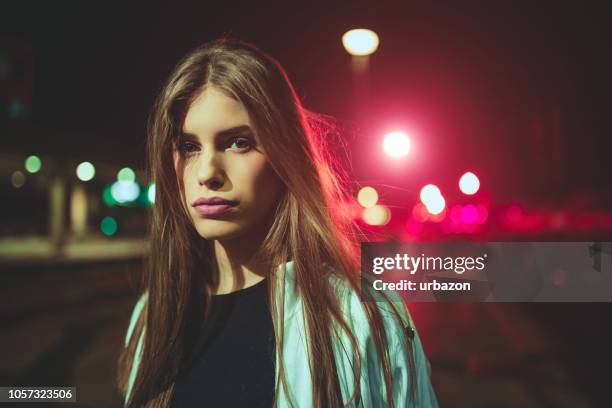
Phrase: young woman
(251, 295)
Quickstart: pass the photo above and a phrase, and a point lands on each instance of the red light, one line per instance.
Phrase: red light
(483, 214)
(514, 213)
(414, 227)
(469, 228)
(419, 212)
(558, 220)
(438, 217)
(469, 214)
(456, 214)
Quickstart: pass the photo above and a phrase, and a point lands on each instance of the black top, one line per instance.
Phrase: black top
(233, 363)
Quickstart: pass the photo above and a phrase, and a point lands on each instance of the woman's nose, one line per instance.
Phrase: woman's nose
(210, 171)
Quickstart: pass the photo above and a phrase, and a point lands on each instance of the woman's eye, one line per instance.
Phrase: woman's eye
(187, 147)
(241, 143)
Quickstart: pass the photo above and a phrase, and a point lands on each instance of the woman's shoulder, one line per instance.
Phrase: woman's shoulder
(136, 311)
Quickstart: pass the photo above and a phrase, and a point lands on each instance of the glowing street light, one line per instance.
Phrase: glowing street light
(360, 42)
(396, 144)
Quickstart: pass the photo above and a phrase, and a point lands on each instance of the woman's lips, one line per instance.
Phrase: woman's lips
(213, 209)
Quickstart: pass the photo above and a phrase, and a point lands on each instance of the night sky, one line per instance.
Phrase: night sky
(473, 79)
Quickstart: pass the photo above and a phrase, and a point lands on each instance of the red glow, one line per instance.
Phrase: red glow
(446, 227)
(514, 214)
(470, 228)
(533, 223)
(455, 214)
(483, 214)
(420, 213)
(607, 221)
(558, 220)
(439, 216)
(585, 222)
(469, 214)
(413, 226)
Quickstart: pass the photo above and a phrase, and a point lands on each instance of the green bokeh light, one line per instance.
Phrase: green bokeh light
(108, 198)
(126, 174)
(85, 171)
(108, 226)
(151, 193)
(33, 164)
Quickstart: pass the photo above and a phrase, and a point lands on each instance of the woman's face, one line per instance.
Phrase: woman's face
(218, 155)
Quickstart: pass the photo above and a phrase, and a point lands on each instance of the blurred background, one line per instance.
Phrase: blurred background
(465, 121)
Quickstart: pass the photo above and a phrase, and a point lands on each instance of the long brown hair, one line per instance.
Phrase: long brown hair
(310, 227)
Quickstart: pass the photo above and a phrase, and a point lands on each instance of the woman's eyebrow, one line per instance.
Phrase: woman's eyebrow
(236, 130)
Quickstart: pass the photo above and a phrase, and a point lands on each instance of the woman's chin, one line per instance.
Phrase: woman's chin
(217, 230)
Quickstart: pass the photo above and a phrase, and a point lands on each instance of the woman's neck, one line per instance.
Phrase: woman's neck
(234, 265)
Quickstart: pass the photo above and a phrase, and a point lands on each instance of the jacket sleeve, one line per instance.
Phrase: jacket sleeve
(398, 353)
(424, 395)
(372, 384)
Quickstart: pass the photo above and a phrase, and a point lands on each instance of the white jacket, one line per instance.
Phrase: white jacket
(297, 371)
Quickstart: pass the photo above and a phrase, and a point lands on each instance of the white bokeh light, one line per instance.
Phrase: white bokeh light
(429, 193)
(436, 205)
(396, 144)
(469, 183)
(125, 191)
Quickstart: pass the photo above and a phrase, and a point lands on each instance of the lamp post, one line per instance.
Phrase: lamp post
(360, 43)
